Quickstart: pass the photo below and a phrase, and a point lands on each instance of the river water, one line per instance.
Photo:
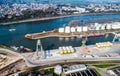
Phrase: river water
(73, 2)
(17, 38)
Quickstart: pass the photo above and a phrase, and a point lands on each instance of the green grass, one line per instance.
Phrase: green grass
(104, 65)
(49, 71)
(97, 72)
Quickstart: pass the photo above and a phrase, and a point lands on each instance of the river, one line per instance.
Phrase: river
(17, 38)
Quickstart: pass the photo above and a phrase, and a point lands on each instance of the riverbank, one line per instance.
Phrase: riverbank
(50, 18)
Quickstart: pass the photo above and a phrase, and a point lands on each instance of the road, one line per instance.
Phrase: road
(10, 51)
(42, 62)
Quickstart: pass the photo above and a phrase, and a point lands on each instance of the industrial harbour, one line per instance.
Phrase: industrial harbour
(80, 54)
(105, 52)
(95, 29)
(59, 38)
(8, 38)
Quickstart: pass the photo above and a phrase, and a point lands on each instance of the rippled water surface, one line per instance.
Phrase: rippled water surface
(17, 38)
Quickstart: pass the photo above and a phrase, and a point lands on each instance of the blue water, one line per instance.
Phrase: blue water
(17, 37)
(46, 1)
(73, 2)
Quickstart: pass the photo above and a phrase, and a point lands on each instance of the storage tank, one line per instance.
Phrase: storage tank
(67, 29)
(116, 25)
(85, 28)
(108, 26)
(60, 49)
(79, 29)
(103, 27)
(97, 26)
(64, 48)
(71, 49)
(61, 30)
(73, 29)
(91, 27)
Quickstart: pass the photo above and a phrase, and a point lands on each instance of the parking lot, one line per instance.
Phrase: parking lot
(88, 72)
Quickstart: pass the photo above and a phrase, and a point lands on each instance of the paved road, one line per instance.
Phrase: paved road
(10, 51)
(41, 62)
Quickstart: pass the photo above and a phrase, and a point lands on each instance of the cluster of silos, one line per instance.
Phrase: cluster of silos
(94, 26)
(104, 44)
(66, 50)
(69, 29)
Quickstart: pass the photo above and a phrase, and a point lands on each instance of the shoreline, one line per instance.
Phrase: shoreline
(50, 18)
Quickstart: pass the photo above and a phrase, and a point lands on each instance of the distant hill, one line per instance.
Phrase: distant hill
(60, 1)
(104, 1)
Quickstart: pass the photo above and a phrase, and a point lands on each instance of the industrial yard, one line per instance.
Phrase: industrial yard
(76, 30)
(83, 53)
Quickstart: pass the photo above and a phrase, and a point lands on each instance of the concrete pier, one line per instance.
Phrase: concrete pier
(83, 31)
